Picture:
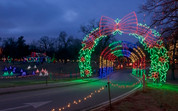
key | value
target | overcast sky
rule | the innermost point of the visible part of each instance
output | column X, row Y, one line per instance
column 36, row 18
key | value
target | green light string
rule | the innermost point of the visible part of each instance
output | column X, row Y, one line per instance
column 85, row 57
column 158, row 56
column 159, row 68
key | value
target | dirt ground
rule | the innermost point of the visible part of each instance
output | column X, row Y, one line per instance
column 154, row 98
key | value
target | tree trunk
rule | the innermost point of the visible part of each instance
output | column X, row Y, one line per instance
column 173, row 62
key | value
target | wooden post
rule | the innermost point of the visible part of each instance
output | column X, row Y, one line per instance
column 108, row 84
column 143, row 81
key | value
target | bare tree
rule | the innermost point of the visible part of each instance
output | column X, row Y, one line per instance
column 85, row 29
column 10, row 47
column 23, row 49
column 33, row 46
column 52, row 42
column 47, row 45
column 64, row 39
column 64, row 43
column 165, row 18
column 44, row 43
column 163, row 13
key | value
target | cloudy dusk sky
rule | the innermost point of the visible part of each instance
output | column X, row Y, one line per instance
column 35, row 18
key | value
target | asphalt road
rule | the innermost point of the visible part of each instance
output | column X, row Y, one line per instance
column 47, row 99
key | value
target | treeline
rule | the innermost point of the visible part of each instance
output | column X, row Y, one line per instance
column 61, row 47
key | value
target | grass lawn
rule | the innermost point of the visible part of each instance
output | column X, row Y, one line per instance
column 154, row 98
column 15, row 83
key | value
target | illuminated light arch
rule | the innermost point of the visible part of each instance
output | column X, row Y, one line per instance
column 122, row 48
column 149, row 38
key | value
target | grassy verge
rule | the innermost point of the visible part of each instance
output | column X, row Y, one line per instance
column 16, row 83
column 154, row 98
column 31, row 82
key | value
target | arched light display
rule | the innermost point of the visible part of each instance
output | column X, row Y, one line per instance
column 149, row 38
column 124, row 49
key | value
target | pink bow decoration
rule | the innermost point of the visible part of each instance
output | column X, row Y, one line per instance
column 128, row 24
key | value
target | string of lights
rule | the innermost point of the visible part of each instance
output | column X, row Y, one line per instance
column 126, row 86
column 149, row 38
column 91, row 94
column 122, row 49
column 78, row 101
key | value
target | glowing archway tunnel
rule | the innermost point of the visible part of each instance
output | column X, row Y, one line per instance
column 122, row 49
column 149, row 38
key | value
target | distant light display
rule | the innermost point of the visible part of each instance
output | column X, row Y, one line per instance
column 149, row 38
column 13, row 72
column 34, row 67
column 37, row 71
column 29, row 67
column 9, row 59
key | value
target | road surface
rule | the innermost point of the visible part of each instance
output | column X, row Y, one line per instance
column 55, row 98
